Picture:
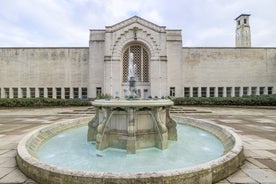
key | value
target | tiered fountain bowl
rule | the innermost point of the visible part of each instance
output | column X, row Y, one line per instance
column 132, row 124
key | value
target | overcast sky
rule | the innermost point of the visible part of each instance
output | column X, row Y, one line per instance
column 66, row 23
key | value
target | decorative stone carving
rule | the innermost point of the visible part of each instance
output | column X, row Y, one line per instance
column 132, row 124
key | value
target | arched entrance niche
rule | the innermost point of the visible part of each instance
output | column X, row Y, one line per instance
column 141, row 60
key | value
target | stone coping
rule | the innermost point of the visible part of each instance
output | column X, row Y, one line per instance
column 132, row 103
column 208, row 172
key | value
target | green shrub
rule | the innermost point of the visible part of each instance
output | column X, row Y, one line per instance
column 41, row 102
column 262, row 100
column 104, row 96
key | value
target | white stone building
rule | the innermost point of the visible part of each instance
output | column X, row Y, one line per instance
column 163, row 66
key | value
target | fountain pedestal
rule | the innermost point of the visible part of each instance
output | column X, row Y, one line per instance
column 132, row 124
column 132, row 87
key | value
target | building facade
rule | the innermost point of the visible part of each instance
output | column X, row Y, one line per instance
column 163, row 67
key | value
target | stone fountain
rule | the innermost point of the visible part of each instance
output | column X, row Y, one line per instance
column 132, row 123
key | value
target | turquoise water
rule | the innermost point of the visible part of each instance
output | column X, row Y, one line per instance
column 70, row 149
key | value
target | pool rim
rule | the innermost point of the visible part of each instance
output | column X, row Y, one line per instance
column 209, row 172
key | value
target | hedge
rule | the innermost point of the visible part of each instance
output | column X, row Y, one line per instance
column 41, row 102
column 262, row 100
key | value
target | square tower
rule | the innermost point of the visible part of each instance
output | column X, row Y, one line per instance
column 243, row 35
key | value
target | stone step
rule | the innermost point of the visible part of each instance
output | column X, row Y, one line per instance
column 181, row 110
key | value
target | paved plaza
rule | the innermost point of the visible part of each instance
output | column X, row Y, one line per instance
column 256, row 127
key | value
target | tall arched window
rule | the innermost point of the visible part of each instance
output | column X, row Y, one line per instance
column 140, row 60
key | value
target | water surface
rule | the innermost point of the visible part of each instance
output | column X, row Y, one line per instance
column 70, row 149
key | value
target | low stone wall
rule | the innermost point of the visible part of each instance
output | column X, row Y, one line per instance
column 209, row 172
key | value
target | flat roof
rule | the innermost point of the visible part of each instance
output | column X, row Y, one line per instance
column 242, row 15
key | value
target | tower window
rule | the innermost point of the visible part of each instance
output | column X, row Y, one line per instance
column 244, row 21
column 239, row 22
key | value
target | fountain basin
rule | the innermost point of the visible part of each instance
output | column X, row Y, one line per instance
column 209, row 172
column 132, row 124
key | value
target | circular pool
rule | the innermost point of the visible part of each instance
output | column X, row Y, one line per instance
column 60, row 153
column 194, row 146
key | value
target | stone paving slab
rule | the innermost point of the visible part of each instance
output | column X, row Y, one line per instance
column 264, row 153
column 8, row 162
column 4, row 151
column 241, row 177
column 269, row 163
column 16, row 176
column 255, row 126
column 5, row 171
column 261, row 175
column 257, row 163
column 9, row 153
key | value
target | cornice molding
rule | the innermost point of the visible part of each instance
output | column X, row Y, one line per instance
column 137, row 20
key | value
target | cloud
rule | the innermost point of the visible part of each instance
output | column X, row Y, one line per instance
column 67, row 22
